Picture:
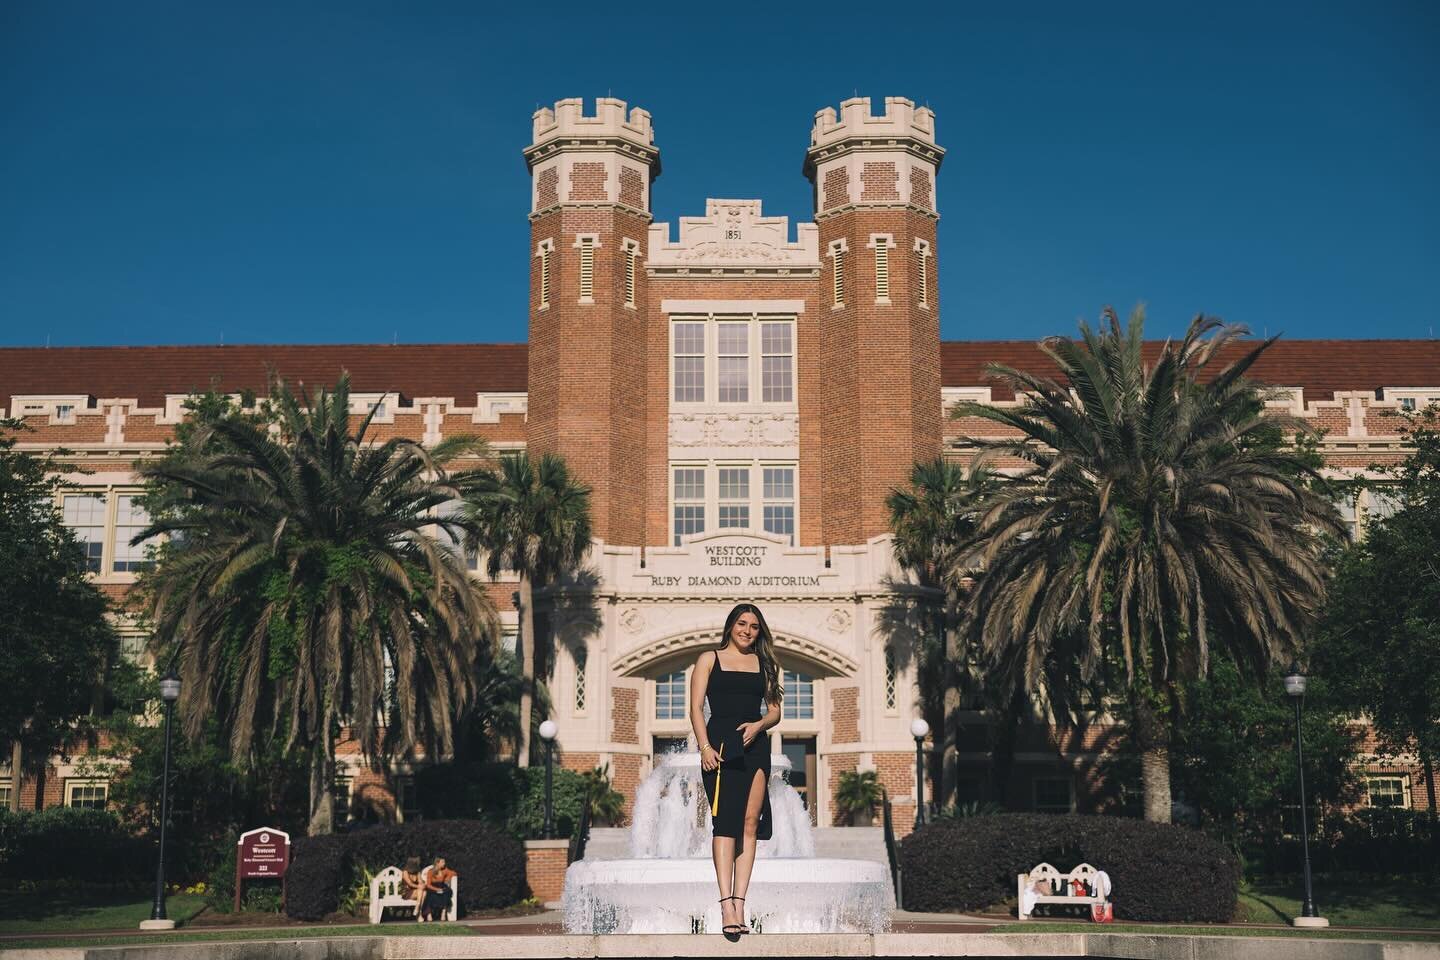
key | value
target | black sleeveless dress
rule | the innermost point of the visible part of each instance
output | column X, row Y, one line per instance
column 735, row 697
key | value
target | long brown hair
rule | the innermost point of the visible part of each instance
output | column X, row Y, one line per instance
column 764, row 649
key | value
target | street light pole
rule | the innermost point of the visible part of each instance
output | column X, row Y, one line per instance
column 918, row 729
column 169, row 692
column 548, row 729
column 1295, row 682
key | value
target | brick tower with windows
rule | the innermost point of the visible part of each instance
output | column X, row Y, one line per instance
column 589, row 214
column 874, row 183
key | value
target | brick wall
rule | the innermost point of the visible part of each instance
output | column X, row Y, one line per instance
column 840, row 764
column 844, row 715
column 545, row 863
column 625, row 714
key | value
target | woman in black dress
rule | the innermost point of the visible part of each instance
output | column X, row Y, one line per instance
column 741, row 679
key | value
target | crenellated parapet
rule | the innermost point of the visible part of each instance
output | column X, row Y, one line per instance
column 858, row 158
column 733, row 237
column 605, row 159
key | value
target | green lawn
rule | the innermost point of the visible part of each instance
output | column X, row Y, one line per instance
column 80, row 911
column 1405, row 904
column 276, row 933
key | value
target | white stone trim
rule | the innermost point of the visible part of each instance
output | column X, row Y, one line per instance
column 489, row 406
column 733, row 234
column 707, row 308
column 586, row 240
column 37, row 404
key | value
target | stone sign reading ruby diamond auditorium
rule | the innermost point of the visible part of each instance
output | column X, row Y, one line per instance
column 740, row 396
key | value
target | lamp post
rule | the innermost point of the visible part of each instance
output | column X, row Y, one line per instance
column 169, row 692
column 918, row 729
column 1295, row 688
column 547, row 733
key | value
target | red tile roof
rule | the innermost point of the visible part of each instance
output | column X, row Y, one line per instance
column 1321, row 367
column 458, row 370
column 461, row 370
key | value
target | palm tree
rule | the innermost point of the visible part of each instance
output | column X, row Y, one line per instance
column 529, row 516
column 1148, row 523
column 302, row 591
column 930, row 520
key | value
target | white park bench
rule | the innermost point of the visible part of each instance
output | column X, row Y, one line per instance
column 1047, row 874
column 387, row 889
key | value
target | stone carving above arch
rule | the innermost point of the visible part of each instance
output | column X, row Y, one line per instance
column 831, row 662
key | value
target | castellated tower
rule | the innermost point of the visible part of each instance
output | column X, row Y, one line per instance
column 874, row 180
column 590, row 210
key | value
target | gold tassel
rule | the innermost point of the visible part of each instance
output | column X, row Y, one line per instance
column 715, row 804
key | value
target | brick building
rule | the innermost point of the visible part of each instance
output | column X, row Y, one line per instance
column 741, row 397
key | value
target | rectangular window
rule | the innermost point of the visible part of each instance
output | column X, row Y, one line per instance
column 689, row 502
column 799, row 702
column 342, row 801
column 84, row 513
column 670, row 696
column 1053, row 795
column 734, row 367
column 882, row 270
column 407, row 798
column 65, row 413
column 87, row 794
column 1383, row 505
column 689, row 361
column 130, row 519
column 5, row 794
column 1385, row 792
column 838, row 272
column 1349, row 517
column 778, row 493
column 890, row 678
column 777, row 353
column 581, row 659
column 734, row 497
column 587, row 270
column 632, row 254
column 132, row 647
column 1407, row 404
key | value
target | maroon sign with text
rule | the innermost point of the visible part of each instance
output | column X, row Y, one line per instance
column 264, row 853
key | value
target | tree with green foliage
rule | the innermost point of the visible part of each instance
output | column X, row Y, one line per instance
column 301, row 589
column 529, row 516
column 1148, row 524
column 56, row 645
column 1379, row 640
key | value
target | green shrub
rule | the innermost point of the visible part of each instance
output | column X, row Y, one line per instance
column 491, row 864
column 65, row 845
column 1159, row 872
column 504, row 796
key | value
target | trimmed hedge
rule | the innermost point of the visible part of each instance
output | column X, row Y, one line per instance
column 70, row 845
column 1159, row 872
column 501, row 794
column 490, row 863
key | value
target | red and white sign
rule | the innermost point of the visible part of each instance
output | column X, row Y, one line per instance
column 264, row 852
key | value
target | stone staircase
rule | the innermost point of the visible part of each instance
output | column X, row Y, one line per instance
column 842, row 843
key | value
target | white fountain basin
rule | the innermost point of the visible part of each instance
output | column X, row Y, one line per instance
column 786, row 895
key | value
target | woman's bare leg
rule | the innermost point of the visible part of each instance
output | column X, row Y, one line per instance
column 746, row 861
column 722, row 850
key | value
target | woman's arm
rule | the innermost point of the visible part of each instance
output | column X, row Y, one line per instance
column 699, row 680
column 757, row 727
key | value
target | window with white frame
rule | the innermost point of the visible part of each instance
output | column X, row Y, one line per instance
column 1349, row 516
column 799, row 700
column 547, row 248
column 734, row 492
column 133, row 646
column 837, row 272
column 778, row 501
column 1054, row 795
column 733, row 364
column 85, row 514
column 632, row 258
column 882, row 244
column 130, row 519
column 587, row 244
column 688, row 361
column 1382, row 504
column 733, row 353
column 87, row 794
column 670, row 696
column 582, row 658
column 5, row 793
column 341, row 809
column 890, row 674
column 777, row 362
column 1387, row 791
column 922, row 272
column 689, row 501
column 64, row 413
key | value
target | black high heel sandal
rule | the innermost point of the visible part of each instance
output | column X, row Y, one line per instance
column 732, row 931
column 744, row 927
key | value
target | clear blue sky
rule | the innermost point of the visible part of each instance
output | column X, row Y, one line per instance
column 179, row 172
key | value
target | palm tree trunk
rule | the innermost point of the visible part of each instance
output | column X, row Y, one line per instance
column 18, row 759
column 527, row 669
column 1426, row 761
column 950, row 732
column 322, row 782
column 1153, row 741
